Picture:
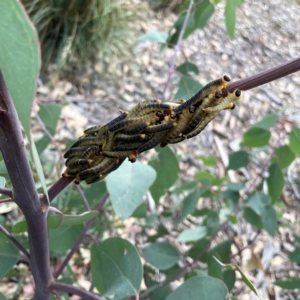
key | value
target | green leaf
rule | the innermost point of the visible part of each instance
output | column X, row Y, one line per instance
column 238, row 160
column 189, row 204
column 49, row 114
column 230, row 17
column 116, row 268
column 255, row 137
column 235, row 186
column 275, row 182
column 20, row 57
column 127, row 186
column 295, row 256
column 297, row 238
column 199, row 17
column 214, row 268
column 2, row 297
column 229, row 279
column 38, row 166
column 187, row 68
column 252, row 217
column 160, row 293
column 244, row 277
column 162, row 256
column 291, row 283
column 3, row 169
column 154, row 37
column 94, row 194
column 269, row 220
column 295, row 140
column 167, row 169
column 284, row 156
column 257, row 202
column 207, row 179
column 63, row 238
column 9, row 255
column 2, row 182
column 209, row 161
column 187, row 87
column 267, row 122
column 192, row 234
column 201, row 287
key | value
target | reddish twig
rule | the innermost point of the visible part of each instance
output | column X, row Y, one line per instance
column 177, row 47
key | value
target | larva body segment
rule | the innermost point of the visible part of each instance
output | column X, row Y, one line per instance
column 116, row 154
column 202, row 124
column 159, row 128
column 211, row 88
column 232, row 97
column 76, row 151
column 136, row 129
column 135, row 112
column 79, row 162
column 89, row 152
column 89, row 141
column 156, row 139
column 96, row 169
column 101, row 129
column 126, row 138
column 183, row 120
column 147, row 108
column 127, row 147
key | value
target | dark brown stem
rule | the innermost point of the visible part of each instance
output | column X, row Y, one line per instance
column 261, row 78
column 14, row 241
column 24, row 192
column 74, row 290
column 5, row 191
column 80, row 239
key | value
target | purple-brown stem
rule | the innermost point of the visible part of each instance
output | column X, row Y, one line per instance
column 5, row 191
column 14, row 241
column 24, row 191
column 80, row 239
column 261, row 78
column 73, row 290
column 177, row 47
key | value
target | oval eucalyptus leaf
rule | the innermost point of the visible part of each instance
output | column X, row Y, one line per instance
column 63, row 238
column 284, row 156
column 161, row 255
column 201, row 287
column 9, row 255
column 187, row 87
column 167, row 169
column 187, row 68
column 2, row 182
column 291, row 283
column 267, row 122
column 238, row 160
column 49, row 114
column 230, row 17
column 116, row 268
column 275, row 182
column 154, row 37
column 295, row 140
column 192, row 234
column 255, row 137
column 127, row 186
column 20, row 57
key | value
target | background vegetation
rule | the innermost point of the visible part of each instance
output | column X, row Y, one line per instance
column 180, row 239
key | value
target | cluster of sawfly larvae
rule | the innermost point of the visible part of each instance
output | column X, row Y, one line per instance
column 102, row 149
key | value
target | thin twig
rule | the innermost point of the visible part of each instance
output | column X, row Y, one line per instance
column 74, row 290
column 261, row 78
column 177, row 47
column 79, row 189
column 6, row 200
column 80, row 239
column 14, row 241
column 6, row 192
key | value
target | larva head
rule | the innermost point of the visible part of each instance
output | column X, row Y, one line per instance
column 226, row 78
column 237, row 95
